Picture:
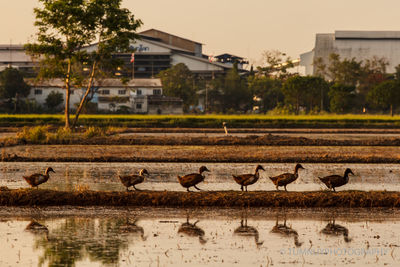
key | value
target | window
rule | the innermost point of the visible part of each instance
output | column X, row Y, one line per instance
column 122, row 92
column 38, row 91
column 139, row 92
column 139, row 106
column 72, row 92
column 105, row 92
column 156, row 91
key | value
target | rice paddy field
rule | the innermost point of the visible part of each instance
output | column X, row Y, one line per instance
column 209, row 121
column 83, row 215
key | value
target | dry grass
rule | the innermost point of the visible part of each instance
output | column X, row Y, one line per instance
column 314, row 199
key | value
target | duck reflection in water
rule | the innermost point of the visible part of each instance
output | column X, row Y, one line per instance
column 191, row 229
column 284, row 230
column 245, row 230
column 37, row 229
column 334, row 229
column 132, row 228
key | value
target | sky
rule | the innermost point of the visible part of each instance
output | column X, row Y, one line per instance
column 243, row 28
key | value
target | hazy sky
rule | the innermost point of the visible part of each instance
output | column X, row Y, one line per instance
column 244, row 28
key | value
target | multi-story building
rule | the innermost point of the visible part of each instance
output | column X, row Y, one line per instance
column 361, row 45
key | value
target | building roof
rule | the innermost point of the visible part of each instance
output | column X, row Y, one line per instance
column 109, row 82
column 375, row 35
column 155, row 30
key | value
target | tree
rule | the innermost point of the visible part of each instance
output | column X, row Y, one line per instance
column 341, row 97
column 385, row 94
column 53, row 100
column 268, row 89
column 67, row 27
column 235, row 93
column 178, row 81
column 275, row 63
column 12, row 85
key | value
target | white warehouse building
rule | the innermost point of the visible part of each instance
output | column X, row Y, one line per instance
column 361, row 45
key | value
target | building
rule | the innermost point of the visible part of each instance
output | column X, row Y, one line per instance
column 14, row 56
column 140, row 96
column 154, row 52
column 361, row 45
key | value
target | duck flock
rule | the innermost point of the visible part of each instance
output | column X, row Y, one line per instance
column 193, row 179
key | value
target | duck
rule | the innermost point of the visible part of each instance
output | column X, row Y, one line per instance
column 36, row 179
column 134, row 179
column 335, row 229
column 193, row 179
column 333, row 181
column 285, row 230
column 286, row 178
column 248, row 179
column 190, row 229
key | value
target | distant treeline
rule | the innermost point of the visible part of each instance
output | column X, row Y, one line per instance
column 339, row 86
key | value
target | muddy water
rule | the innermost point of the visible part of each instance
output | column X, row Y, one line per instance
column 163, row 176
column 213, row 237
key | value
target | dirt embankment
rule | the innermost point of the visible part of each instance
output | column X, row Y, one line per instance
column 276, row 154
column 251, row 140
column 321, row 199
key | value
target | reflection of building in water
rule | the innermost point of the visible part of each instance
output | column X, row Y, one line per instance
column 245, row 230
column 334, row 229
column 190, row 229
column 284, row 230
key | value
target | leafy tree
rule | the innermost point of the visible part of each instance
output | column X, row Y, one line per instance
column 341, row 97
column 236, row 95
column 275, row 63
column 67, row 27
column 268, row 89
column 177, row 81
column 12, row 85
column 54, row 99
column 385, row 94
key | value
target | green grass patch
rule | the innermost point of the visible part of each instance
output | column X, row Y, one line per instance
column 209, row 121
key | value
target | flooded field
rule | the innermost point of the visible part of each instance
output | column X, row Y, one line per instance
column 213, row 237
column 163, row 176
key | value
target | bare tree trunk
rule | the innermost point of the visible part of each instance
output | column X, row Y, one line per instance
column 67, row 94
column 83, row 100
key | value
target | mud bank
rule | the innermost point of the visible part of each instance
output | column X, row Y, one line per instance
column 314, row 199
column 250, row 140
column 272, row 154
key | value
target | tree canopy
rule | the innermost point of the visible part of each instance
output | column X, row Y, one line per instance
column 67, row 29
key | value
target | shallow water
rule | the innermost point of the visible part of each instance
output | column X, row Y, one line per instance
column 163, row 176
column 174, row 237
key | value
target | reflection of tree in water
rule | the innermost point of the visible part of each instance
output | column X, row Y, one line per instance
column 336, row 229
column 190, row 229
column 245, row 230
column 285, row 230
column 78, row 238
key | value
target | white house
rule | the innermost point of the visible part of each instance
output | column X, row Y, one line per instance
column 135, row 96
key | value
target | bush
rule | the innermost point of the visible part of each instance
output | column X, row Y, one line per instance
column 36, row 134
column 94, row 132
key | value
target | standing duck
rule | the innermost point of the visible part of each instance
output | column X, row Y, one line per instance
column 36, row 179
column 248, row 179
column 333, row 181
column 134, row 179
column 193, row 179
column 286, row 178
